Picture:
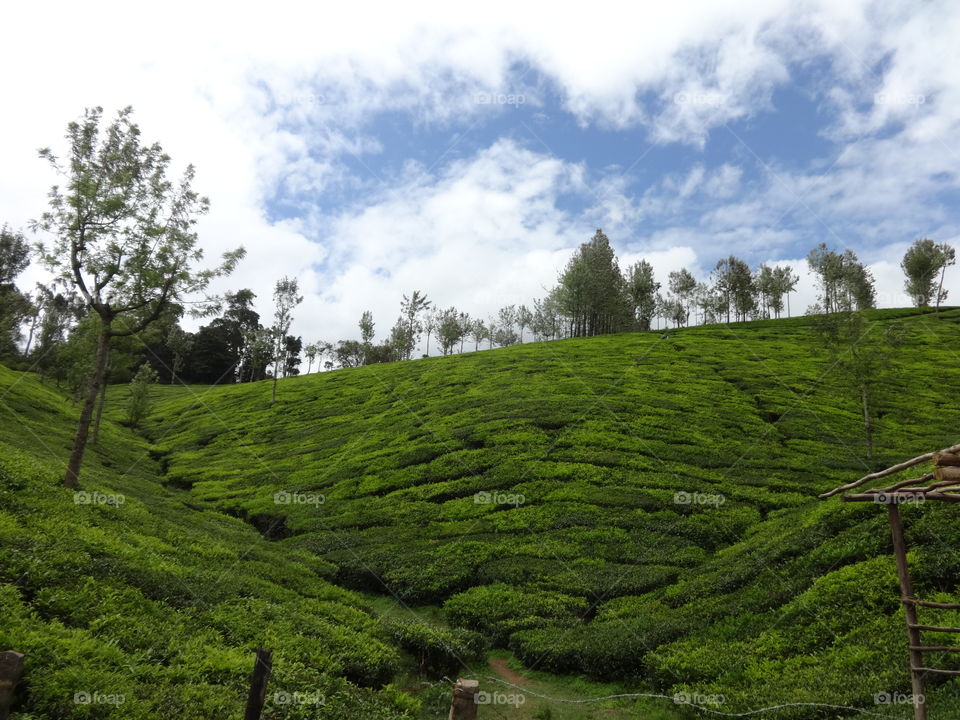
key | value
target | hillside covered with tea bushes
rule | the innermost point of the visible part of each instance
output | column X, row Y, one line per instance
column 635, row 509
column 638, row 507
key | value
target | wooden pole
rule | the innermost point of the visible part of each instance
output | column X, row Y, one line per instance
column 258, row 684
column 910, row 610
column 464, row 705
column 11, row 668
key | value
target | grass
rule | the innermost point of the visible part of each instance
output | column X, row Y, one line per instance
column 628, row 512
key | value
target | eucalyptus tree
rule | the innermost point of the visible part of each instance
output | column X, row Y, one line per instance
column 784, row 282
column 449, row 329
column 478, row 332
column 764, row 282
column 925, row 264
column 506, row 320
column 411, row 309
column 524, row 319
column 642, row 290
column 310, row 352
column 122, row 234
column 429, row 326
column 733, row 283
column 286, row 296
column 682, row 284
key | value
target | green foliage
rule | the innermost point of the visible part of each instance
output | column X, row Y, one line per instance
column 534, row 495
column 923, row 264
column 624, row 507
column 157, row 603
column 138, row 405
column 437, row 651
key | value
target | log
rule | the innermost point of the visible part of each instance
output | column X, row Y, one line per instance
column 11, row 668
column 464, row 705
column 908, row 483
column 889, row 471
column 946, row 459
column 943, row 474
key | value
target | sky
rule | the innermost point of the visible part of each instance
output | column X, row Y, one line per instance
column 371, row 149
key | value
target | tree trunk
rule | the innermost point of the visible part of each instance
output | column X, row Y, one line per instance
column 273, row 399
column 943, row 272
column 103, row 401
column 867, row 424
column 33, row 326
column 86, row 412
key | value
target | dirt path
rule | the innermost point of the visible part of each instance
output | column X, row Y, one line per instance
column 500, row 667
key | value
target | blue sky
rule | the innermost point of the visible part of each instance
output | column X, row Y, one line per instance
column 372, row 150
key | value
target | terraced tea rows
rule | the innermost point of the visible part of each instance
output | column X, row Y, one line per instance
column 633, row 506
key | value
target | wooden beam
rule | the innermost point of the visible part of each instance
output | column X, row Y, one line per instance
column 935, row 648
column 909, row 609
column 929, row 604
column 955, row 673
column 900, row 498
column 935, row 628
column 889, row 471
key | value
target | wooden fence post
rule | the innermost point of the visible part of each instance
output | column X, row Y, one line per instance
column 464, row 705
column 258, row 684
column 910, row 611
column 11, row 668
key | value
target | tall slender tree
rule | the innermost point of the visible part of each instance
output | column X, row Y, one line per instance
column 286, row 296
column 122, row 235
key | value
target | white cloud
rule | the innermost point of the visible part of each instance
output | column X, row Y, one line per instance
column 267, row 102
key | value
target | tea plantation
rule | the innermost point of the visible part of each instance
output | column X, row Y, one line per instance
column 637, row 509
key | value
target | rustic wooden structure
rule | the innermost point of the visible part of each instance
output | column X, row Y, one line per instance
column 262, row 666
column 11, row 668
column 464, row 705
column 941, row 484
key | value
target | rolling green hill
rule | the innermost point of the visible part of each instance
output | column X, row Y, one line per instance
column 636, row 509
